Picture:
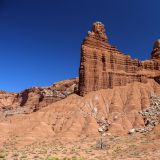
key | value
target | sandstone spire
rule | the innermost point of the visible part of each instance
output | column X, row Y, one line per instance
column 156, row 50
column 104, row 66
column 98, row 31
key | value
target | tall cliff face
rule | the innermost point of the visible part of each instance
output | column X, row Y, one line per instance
column 104, row 66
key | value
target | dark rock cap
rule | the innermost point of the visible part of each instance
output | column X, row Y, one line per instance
column 98, row 31
column 156, row 50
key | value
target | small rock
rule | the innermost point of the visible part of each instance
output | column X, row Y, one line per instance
column 131, row 131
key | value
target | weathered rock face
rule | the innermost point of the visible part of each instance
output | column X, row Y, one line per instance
column 34, row 98
column 104, row 66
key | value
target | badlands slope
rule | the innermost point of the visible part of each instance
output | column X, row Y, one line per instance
column 77, row 116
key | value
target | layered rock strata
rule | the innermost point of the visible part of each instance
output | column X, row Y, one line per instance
column 104, row 66
column 32, row 99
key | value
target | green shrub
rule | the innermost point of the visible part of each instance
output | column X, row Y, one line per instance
column 52, row 158
column 2, row 155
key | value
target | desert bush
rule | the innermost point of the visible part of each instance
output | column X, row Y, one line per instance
column 52, row 158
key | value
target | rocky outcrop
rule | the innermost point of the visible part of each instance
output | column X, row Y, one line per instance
column 104, row 66
column 151, row 116
column 156, row 50
column 32, row 99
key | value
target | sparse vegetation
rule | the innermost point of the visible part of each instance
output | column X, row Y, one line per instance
column 118, row 147
column 2, row 155
column 52, row 158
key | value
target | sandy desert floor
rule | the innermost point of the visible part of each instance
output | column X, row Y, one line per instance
column 129, row 147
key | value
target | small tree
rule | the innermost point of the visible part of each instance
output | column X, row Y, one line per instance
column 101, row 143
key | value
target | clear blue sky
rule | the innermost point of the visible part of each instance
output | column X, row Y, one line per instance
column 40, row 39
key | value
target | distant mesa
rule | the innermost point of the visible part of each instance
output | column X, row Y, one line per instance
column 103, row 66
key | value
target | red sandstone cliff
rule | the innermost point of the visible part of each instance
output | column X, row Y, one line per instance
column 104, row 66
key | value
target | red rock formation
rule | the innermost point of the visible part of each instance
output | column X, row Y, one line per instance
column 34, row 98
column 156, row 50
column 104, row 66
column 115, row 110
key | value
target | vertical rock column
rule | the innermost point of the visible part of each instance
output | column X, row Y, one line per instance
column 93, row 61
